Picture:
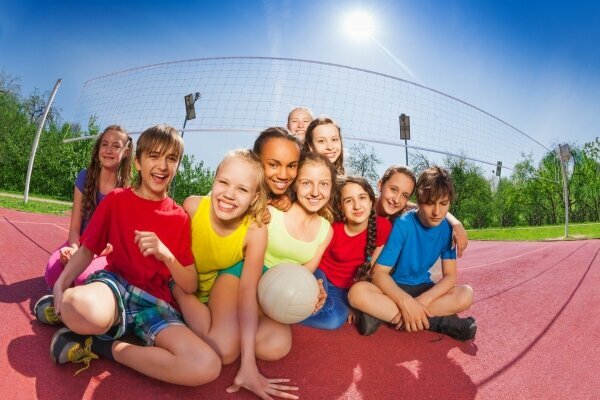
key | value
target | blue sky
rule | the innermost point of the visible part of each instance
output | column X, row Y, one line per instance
column 534, row 64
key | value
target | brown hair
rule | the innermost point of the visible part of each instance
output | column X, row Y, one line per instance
column 90, row 190
column 434, row 183
column 363, row 269
column 256, row 209
column 160, row 138
column 275, row 132
column 308, row 140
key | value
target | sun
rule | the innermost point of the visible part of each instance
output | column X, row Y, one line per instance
column 359, row 25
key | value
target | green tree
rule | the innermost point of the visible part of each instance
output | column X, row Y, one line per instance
column 192, row 179
column 473, row 194
column 363, row 161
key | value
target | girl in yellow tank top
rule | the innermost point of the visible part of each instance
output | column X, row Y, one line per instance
column 228, row 243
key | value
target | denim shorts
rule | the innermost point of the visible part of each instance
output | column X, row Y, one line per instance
column 140, row 312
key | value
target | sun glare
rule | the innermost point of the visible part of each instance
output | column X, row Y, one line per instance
column 359, row 25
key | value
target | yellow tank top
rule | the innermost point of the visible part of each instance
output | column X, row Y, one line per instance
column 213, row 252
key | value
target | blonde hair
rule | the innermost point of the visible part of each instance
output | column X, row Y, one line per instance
column 256, row 209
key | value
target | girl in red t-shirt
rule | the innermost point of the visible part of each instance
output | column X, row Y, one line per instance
column 356, row 244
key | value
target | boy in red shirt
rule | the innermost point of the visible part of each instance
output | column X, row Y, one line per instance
column 150, row 235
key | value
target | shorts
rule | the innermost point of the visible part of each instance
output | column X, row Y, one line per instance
column 140, row 312
column 236, row 269
column 416, row 290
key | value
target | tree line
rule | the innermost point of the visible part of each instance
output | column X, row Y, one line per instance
column 531, row 195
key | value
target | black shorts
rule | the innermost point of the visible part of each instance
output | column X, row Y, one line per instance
column 416, row 290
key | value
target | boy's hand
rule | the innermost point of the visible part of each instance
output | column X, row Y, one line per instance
column 414, row 315
column 352, row 316
column 150, row 244
column 460, row 239
column 321, row 297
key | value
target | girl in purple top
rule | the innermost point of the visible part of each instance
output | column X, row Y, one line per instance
column 110, row 167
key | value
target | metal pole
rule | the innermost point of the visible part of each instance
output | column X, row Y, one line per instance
column 406, row 150
column 37, row 139
column 173, row 183
column 566, row 195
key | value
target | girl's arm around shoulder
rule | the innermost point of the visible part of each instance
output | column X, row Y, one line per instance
column 190, row 204
column 460, row 238
column 314, row 262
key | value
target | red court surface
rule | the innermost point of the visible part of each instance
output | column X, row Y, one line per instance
column 536, row 304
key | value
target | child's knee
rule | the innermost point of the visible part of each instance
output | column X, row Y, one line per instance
column 356, row 294
column 230, row 353
column 274, row 347
column 465, row 297
column 204, row 367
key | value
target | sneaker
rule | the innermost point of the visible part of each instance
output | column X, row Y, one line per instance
column 366, row 324
column 44, row 310
column 462, row 329
column 67, row 346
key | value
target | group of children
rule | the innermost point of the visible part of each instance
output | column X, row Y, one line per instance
column 184, row 279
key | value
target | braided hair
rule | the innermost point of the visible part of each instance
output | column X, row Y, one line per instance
column 362, row 273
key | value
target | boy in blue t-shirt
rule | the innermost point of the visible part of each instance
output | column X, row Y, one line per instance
column 402, row 292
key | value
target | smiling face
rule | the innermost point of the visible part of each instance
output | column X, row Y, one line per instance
column 326, row 140
column 356, row 205
column 279, row 158
column 432, row 213
column 313, row 186
column 234, row 189
column 113, row 148
column 156, row 169
column 298, row 121
column 394, row 194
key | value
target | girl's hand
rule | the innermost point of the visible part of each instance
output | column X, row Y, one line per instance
column 58, row 295
column 282, row 203
column 397, row 321
column 107, row 250
column 150, row 244
column 460, row 239
column 252, row 380
column 66, row 253
column 414, row 316
column 321, row 297
column 352, row 316
column 266, row 217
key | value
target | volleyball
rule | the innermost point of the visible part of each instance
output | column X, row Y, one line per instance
column 288, row 293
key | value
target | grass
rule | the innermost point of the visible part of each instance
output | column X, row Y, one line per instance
column 576, row 231
column 34, row 206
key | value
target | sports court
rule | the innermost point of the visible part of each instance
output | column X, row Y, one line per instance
column 536, row 305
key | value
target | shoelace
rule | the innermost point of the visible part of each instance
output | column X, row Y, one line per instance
column 83, row 355
column 51, row 315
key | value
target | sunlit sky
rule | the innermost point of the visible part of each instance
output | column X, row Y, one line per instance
column 534, row 64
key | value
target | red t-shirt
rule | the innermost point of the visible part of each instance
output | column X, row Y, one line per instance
column 115, row 221
column 346, row 253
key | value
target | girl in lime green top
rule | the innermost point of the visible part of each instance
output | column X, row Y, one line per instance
column 301, row 234
column 227, row 230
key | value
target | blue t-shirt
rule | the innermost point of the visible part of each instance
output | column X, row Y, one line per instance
column 80, row 184
column 412, row 249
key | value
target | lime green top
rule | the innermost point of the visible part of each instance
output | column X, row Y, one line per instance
column 283, row 247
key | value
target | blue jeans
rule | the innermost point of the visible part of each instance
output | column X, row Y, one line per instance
column 336, row 309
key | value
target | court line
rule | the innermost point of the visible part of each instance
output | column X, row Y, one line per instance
column 506, row 259
column 35, row 223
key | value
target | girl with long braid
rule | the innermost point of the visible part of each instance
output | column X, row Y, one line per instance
column 356, row 244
